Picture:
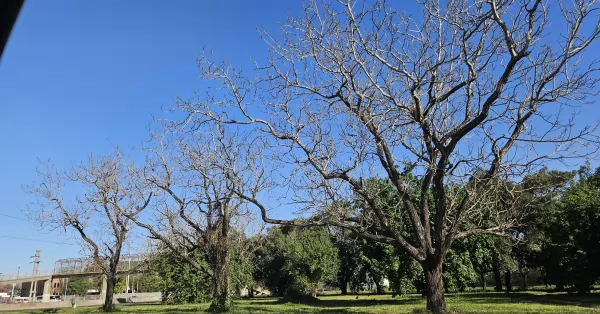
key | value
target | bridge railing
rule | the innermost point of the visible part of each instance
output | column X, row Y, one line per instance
column 76, row 266
column 88, row 265
column 25, row 275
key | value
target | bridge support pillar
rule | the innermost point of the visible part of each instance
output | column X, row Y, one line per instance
column 47, row 290
column 103, row 288
column 33, row 291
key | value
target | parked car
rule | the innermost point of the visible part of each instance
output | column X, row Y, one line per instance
column 53, row 298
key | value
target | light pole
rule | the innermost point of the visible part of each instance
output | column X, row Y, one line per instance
column 127, row 280
column 66, row 286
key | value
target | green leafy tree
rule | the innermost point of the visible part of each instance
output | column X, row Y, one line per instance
column 241, row 269
column 180, row 282
column 78, row 286
column 295, row 261
column 310, row 259
column 148, row 282
column 121, row 286
column 570, row 252
column 269, row 261
column 458, row 270
column 351, row 273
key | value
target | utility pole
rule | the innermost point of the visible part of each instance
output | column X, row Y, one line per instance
column 66, row 280
column 36, row 271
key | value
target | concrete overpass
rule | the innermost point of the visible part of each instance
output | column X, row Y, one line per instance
column 70, row 268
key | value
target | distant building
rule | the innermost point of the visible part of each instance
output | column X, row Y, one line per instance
column 58, row 286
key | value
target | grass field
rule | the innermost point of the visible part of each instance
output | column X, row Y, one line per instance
column 526, row 302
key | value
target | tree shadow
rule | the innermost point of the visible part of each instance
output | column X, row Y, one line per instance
column 337, row 303
column 589, row 300
column 298, row 310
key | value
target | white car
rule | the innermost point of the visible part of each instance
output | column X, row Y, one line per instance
column 53, row 298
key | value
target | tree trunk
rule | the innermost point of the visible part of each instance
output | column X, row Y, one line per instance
column 378, row 287
column 251, row 292
column 220, row 268
column 483, row 283
column 344, row 287
column 496, row 271
column 111, row 282
column 524, row 275
column 434, row 286
column 508, row 281
column 220, row 302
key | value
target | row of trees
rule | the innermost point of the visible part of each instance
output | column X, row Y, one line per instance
column 451, row 112
column 557, row 246
column 557, row 239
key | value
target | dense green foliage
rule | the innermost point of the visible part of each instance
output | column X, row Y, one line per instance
column 559, row 239
column 297, row 261
column 180, row 282
column 78, row 286
column 570, row 252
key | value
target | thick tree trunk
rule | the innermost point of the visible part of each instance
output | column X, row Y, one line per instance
column 496, row 271
column 483, row 283
column 434, row 286
column 251, row 292
column 111, row 282
column 378, row 287
column 220, row 268
column 344, row 287
column 220, row 301
column 525, row 285
column 508, row 281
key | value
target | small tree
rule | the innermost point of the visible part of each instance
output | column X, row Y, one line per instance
column 78, row 286
column 195, row 173
column 179, row 281
column 96, row 200
column 310, row 260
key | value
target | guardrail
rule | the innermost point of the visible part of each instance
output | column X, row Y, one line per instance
column 25, row 275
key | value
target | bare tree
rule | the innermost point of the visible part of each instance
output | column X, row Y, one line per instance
column 195, row 173
column 93, row 200
column 472, row 93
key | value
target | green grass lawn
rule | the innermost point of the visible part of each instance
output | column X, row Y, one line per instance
column 525, row 302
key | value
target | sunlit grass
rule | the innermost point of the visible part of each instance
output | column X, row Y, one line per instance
column 490, row 302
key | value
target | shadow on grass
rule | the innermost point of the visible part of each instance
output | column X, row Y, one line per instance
column 298, row 310
column 326, row 302
column 590, row 300
column 239, row 308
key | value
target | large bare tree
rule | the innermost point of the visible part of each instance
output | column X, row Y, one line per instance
column 196, row 209
column 470, row 93
column 94, row 200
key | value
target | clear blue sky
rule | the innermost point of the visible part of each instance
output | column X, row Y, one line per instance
column 76, row 74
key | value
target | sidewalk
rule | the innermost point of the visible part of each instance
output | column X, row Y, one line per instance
column 18, row 307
